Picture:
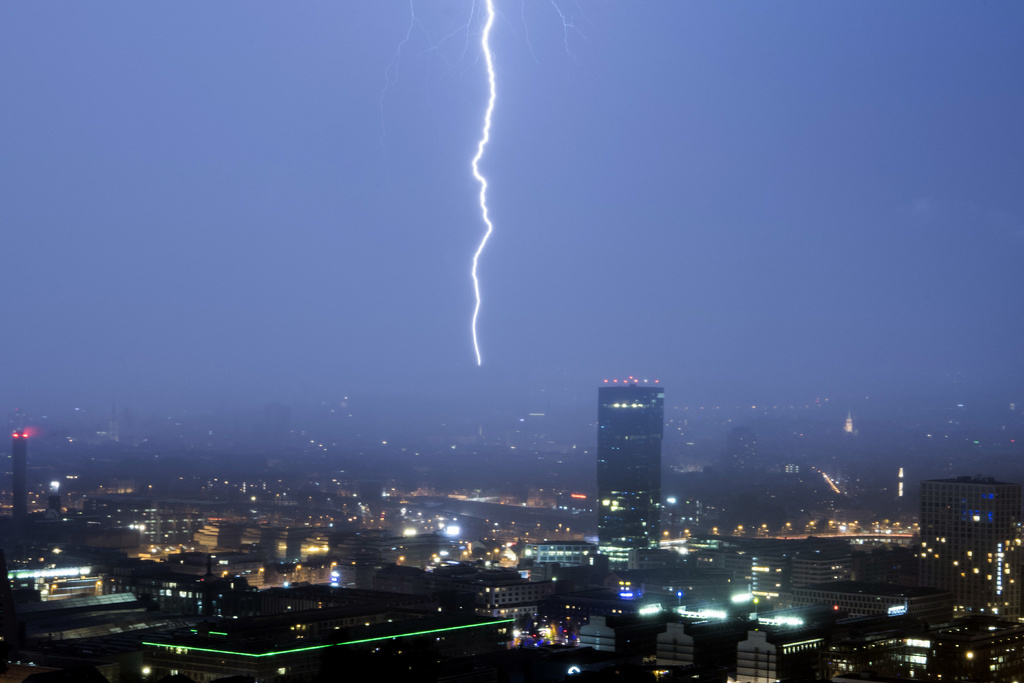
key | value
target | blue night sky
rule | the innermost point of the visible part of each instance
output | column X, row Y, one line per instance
column 252, row 202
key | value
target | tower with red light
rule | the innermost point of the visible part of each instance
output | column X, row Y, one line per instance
column 19, row 485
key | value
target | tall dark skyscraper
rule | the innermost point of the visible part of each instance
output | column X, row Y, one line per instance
column 630, row 425
column 970, row 543
column 19, row 485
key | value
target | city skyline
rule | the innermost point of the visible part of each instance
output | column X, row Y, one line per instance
column 794, row 555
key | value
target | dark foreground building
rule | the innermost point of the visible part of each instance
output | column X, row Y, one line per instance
column 210, row 654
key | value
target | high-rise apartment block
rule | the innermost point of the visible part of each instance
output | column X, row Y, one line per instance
column 630, row 425
column 971, row 544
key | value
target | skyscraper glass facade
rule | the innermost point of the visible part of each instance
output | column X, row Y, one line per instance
column 630, row 425
column 971, row 543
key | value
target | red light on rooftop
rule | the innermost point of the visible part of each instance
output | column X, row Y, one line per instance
column 580, row 496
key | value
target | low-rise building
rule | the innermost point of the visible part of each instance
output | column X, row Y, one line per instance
column 858, row 598
column 977, row 649
column 569, row 553
column 775, row 655
column 879, row 652
column 701, row 642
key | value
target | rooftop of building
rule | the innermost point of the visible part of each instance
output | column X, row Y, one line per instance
column 86, row 617
column 487, row 577
column 889, row 590
column 771, row 546
column 968, row 479
column 668, row 575
column 338, row 594
column 401, row 570
column 91, row 603
column 246, row 627
column 861, row 638
column 978, row 628
column 591, row 595
column 219, row 642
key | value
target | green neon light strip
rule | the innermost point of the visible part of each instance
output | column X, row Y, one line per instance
column 320, row 647
column 240, row 654
column 423, row 633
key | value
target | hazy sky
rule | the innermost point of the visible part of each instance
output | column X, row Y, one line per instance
column 255, row 202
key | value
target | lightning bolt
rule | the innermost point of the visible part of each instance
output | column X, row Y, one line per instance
column 392, row 67
column 569, row 26
column 566, row 25
column 485, row 137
